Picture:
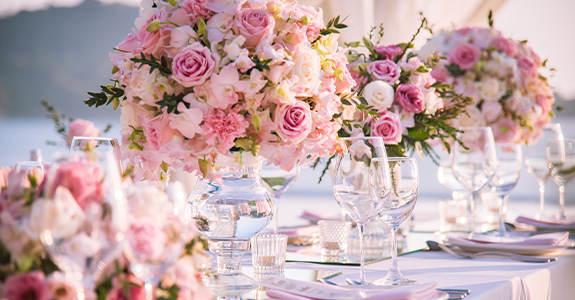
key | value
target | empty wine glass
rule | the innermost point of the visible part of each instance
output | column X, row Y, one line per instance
column 157, row 230
column 32, row 168
column 98, row 144
column 474, row 163
column 351, row 184
column 279, row 182
column 81, row 217
column 561, row 156
column 505, row 178
column 397, row 208
column 536, row 160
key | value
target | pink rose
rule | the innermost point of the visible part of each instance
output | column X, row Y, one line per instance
column 81, row 127
column 388, row 127
column 440, row 73
column 527, row 66
column 410, row 97
column 146, row 239
column 293, row 121
column 465, row 55
column 388, row 52
column 151, row 42
column 385, row 70
column 222, row 129
column 197, row 9
column 504, row 45
column 82, row 179
column 136, row 292
column 61, row 286
column 506, row 131
column 129, row 43
column 158, row 132
column 545, row 102
column 255, row 25
column 26, row 286
column 194, row 64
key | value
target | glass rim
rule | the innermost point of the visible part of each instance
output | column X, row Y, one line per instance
column 394, row 158
column 362, row 138
column 98, row 138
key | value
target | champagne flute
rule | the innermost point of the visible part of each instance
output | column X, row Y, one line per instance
column 157, row 229
column 536, row 160
column 505, row 179
column 474, row 162
column 397, row 208
column 352, row 188
column 561, row 156
column 279, row 181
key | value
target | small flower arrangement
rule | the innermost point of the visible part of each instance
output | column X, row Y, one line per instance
column 502, row 76
column 202, row 78
column 399, row 100
column 70, row 202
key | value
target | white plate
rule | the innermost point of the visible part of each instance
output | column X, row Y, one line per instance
column 439, row 296
column 511, row 248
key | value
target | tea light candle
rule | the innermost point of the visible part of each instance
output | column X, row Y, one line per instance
column 267, row 260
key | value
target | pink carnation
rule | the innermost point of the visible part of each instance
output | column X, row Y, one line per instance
column 82, row 179
column 194, row 64
column 312, row 32
column 410, row 97
column 388, row 127
column 506, row 131
column 388, row 52
column 504, row 45
column 223, row 128
column 465, row 55
column 385, row 70
column 26, row 286
column 197, row 9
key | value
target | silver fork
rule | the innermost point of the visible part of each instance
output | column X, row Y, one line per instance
column 495, row 254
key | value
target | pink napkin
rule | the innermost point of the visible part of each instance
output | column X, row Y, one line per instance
column 316, row 216
column 413, row 292
column 298, row 231
column 547, row 223
column 547, row 239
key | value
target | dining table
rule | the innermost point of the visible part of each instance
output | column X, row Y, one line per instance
column 485, row 278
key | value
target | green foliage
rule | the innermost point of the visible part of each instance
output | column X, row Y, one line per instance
column 454, row 70
column 109, row 94
column 261, row 64
column 490, row 18
column 332, row 26
column 171, row 101
column 60, row 121
column 161, row 65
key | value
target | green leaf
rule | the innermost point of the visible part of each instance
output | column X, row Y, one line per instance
column 275, row 183
column 257, row 122
column 201, row 27
column 171, row 101
column 162, row 66
column 164, row 166
column 345, row 102
column 363, row 101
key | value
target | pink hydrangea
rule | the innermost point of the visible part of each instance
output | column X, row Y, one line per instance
column 223, row 128
column 26, row 286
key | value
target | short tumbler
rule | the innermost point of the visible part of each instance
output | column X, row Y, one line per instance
column 269, row 252
column 333, row 237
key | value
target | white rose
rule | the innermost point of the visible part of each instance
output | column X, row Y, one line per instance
column 379, row 94
column 436, row 44
column 142, row 83
column 327, row 44
column 432, row 101
column 183, row 36
column 520, row 104
column 474, row 119
column 307, row 67
column 491, row 89
column 62, row 216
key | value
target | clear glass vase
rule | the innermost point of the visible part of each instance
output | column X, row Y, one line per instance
column 228, row 213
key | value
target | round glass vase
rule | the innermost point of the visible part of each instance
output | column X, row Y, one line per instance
column 228, row 212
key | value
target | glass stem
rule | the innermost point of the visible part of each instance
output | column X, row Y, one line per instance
column 149, row 291
column 276, row 216
column 541, row 196
column 502, row 210
column 562, row 215
column 361, row 228
column 394, row 270
column 472, row 212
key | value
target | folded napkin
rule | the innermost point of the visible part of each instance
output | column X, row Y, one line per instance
column 316, row 216
column 547, row 239
column 299, row 231
column 289, row 289
column 547, row 223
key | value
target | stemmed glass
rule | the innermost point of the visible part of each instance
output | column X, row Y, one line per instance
column 279, row 181
column 561, row 156
column 536, row 160
column 98, row 144
column 474, row 163
column 352, row 186
column 32, row 168
column 157, row 230
column 505, row 178
column 82, row 217
column 397, row 208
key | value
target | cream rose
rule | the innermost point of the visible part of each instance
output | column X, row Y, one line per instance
column 379, row 94
column 142, row 83
column 491, row 89
column 307, row 67
column 473, row 119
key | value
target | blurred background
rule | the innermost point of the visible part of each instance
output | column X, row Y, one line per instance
column 58, row 50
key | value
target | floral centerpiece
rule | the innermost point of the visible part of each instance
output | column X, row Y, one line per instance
column 398, row 98
column 503, row 77
column 201, row 78
column 70, row 202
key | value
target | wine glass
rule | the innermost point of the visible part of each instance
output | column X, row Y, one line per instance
column 474, row 162
column 561, row 156
column 33, row 169
column 397, row 208
column 157, row 230
column 536, row 160
column 96, row 144
column 279, row 181
column 505, row 179
column 82, row 217
column 351, row 184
